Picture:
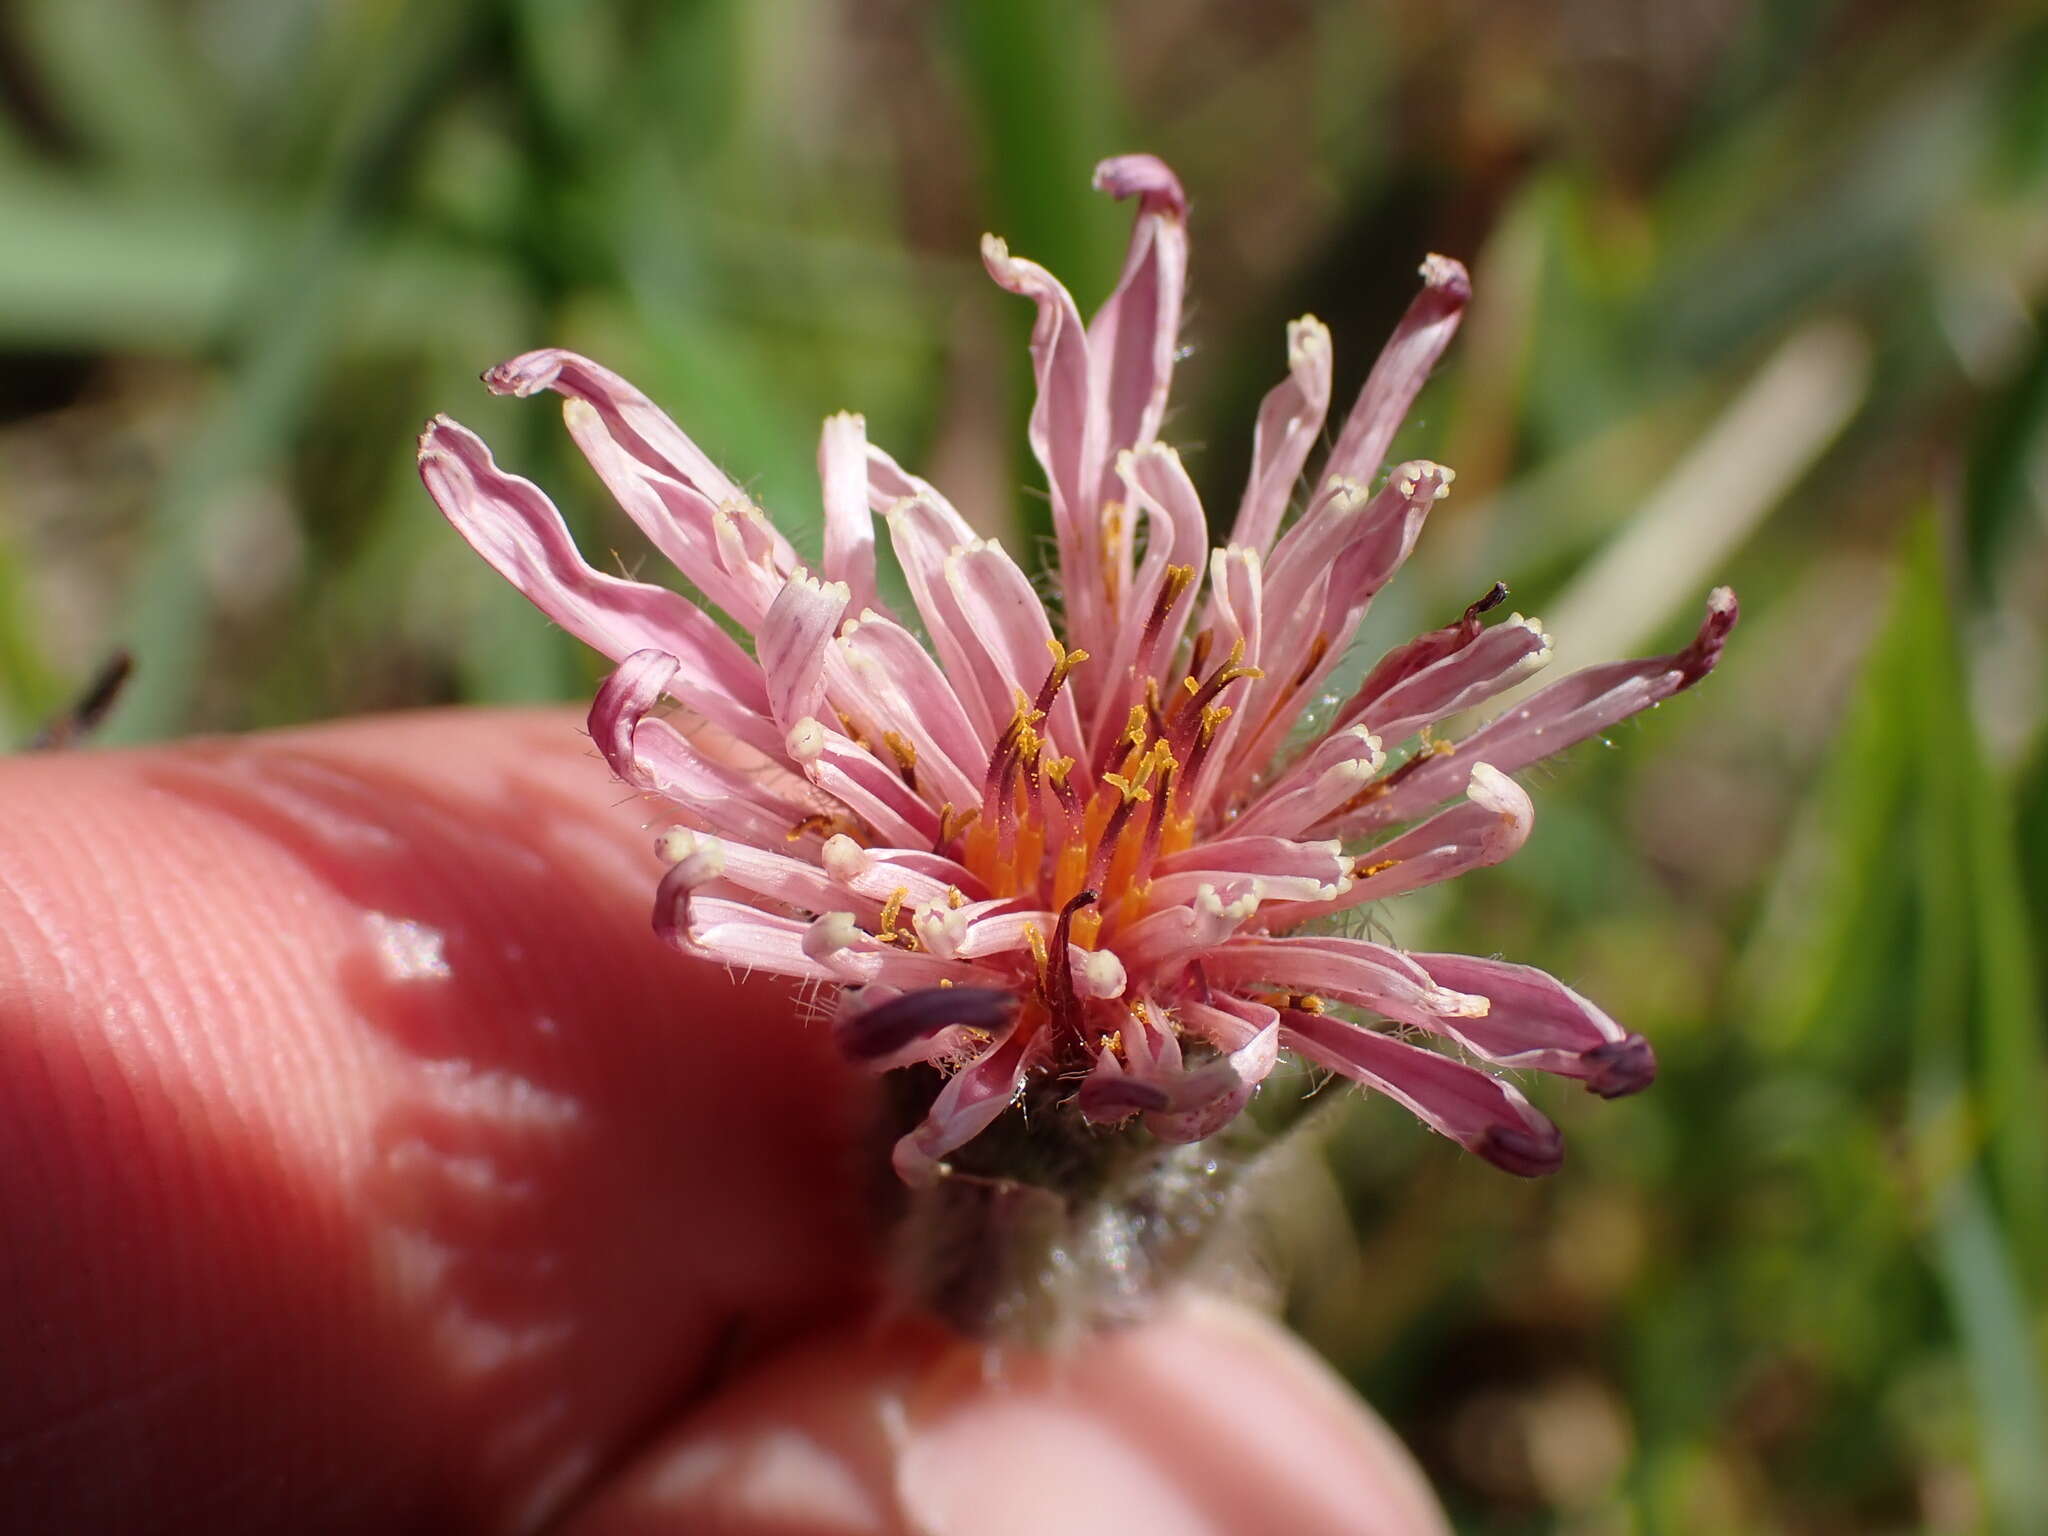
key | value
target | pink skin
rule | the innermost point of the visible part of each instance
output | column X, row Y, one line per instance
column 366, row 1165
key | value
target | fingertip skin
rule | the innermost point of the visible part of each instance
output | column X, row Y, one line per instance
column 361, row 1152
column 1207, row 1421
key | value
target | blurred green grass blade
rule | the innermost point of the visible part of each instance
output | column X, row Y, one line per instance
column 2000, row 496
column 1841, row 222
column 1818, row 951
column 85, row 267
column 1040, row 85
column 1999, row 1353
column 279, row 341
column 29, row 688
column 124, row 82
column 1970, row 884
column 1976, row 1066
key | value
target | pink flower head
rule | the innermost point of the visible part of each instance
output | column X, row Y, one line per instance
column 1077, row 849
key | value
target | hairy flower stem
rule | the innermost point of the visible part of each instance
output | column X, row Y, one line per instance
column 1048, row 1226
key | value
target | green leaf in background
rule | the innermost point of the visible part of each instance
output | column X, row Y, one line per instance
column 277, row 342
column 1977, row 1069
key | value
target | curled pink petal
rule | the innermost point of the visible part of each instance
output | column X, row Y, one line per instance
column 882, row 675
column 1560, row 716
column 1146, row 177
column 1284, row 869
column 1290, row 422
column 1133, row 337
column 794, row 635
column 1537, row 1021
column 1491, row 825
column 1401, row 371
column 1480, row 1113
column 516, row 528
column 849, row 521
column 1323, row 576
column 1353, row 971
column 622, row 703
column 1067, row 434
column 710, row 793
column 972, row 1097
column 635, row 421
column 1496, row 660
column 696, row 535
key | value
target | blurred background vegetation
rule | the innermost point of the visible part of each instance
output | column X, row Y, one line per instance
column 1759, row 300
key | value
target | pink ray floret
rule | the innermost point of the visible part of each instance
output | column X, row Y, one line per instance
column 1081, row 849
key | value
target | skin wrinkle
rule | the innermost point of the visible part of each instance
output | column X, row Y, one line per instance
column 497, row 1331
column 542, row 934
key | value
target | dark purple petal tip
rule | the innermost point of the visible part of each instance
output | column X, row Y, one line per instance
column 889, row 1027
column 1700, row 658
column 1620, row 1067
column 1527, row 1153
column 1446, row 277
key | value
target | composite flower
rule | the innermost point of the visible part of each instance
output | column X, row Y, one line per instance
column 1084, row 844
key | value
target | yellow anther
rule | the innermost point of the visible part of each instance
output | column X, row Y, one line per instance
column 1128, row 788
column 1213, row 716
column 955, row 899
column 823, row 825
column 953, row 822
column 1157, row 757
column 1233, row 667
column 1038, row 950
column 1063, row 661
column 1367, row 871
column 1057, row 769
column 891, row 910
